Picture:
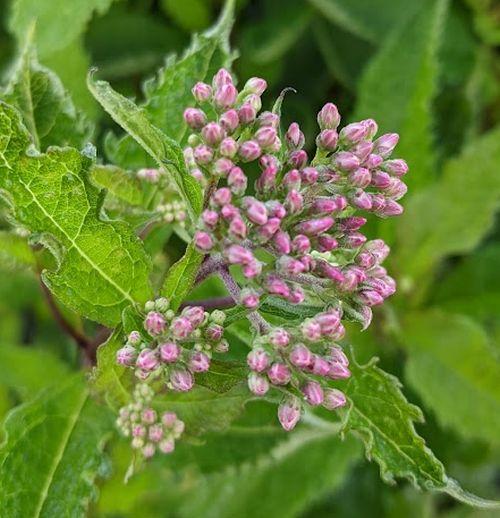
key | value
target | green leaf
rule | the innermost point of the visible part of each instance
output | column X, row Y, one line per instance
column 170, row 91
column 52, row 453
column 452, row 216
column 382, row 417
column 46, row 107
column 453, row 369
column 39, row 369
column 58, row 23
column 164, row 150
column 399, row 85
column 15, row 251
column 122, row 184
column 102, row 265
column 191, row 15
column 303, row 467
column 286, row 310
column 181, row 277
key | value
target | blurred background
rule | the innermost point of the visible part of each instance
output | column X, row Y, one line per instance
column 428, row 69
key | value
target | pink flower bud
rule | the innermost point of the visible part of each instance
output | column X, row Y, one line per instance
column 365, row 260
column 222, row 77
column 228, row 147
column 373, row 161
column 298, row 159
column 396, row 189
column 221, row 196
column 378, row 202
column 380, row 179
column 155, row 433
column 255, row 85
column 392, row 208
column 126, row 355
column 167, row 446
column 168, row 419
column 202, row 92
column 353, row 240
column 256, row 211
column 282, row 242
column 331, row 272
column 301, row 244
column 313, row 393
column 237, row 254
column 252, row 269
column 237, row 228
column 214, row 332
column 338, row 371
column 327, row 140
column 328, row 117
column 378, row 248
column 314, row 227
column 397, row 167
column 181, row 328
column 237, row 181
column 334, row 399
column 326, row 243
column 276, row 286
column 279, row 337
column 138, row 431
column 249, row 298
column 265, row 136
column 294, row 137
column 289, row 413
column 198, row 175
column 320, row 366
column 294, row 201
column 336, row 354
column 181, row 380
column 297, row 295
column 311, row 330
column 268, row 119
column 289, row 266
column 254, row 101
column 258, row 360
column 169, row 352
column 351, row 223
column 267, row 179
column 309, row 175
column 225, row 96
column 148, row 416
column 212, row 133
column 301, row 356
column 203, row 241
column 361, row 199
column 324, row 206
column 361, row 177
column 134, row 338
column 149, row 175
column 346, row 161
column 249, row 150
column 203, row 154
column 353, row 133
column 384, row 145
column 147, row 360
column 257, row 384
column 370, row 298
column 247, row 113
column 195, row 118
column 222, row 166
column 279, row 374
column 363, row 149
column 329, row 321
column 292, row 180
column 229, row 120
column 199, row 362
column 210, row 218
column 154, row 323
column 195, row 314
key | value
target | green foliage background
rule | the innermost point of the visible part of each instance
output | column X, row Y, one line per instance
column 428, row 69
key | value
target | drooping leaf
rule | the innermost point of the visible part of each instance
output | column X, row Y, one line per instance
column 452, row 367
column 52, row 453
column 305, row 466
column 46, row 107
column 452, row 216
column 164, row 150
column 15, row 251
column 382, row 417
column 399, row 85
column 57, row 22
column 102, row 266
column 181, row 277
column 122, row 184
column 169, row 93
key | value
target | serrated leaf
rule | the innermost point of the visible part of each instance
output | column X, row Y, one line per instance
column 164, row 150
column 170, row 91
column 52, row 453
column 286, row 310
column 399, row 85
column 58, row 23
column 382, row 417
column 305, row 466
column 102, row 265
column 15, row 251
column 181, row 277
column 122, row 184
column 468, row 191
column 453, row 369
column 46, row 107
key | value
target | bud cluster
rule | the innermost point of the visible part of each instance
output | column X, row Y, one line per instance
column 178, row 346
column 173, row 212
column 303, row 361
column 149, row 431
column 306, row 214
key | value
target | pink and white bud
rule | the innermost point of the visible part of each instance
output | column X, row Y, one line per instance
column 314, row 227
column 147, row 360
column 203, row 154
column 279, row 374
column 199, row 362
column 154, row 323
column 324, row 206
column 311, row 330
column 353, row 133
column 195, row 118
column 181, row 328
column 149, row 175
column 336, row 354
column 202, row 92
column 334, row 399
column 267, row 180
column 392, row 208
column 301, row 356
column 221, row 196
column 282, row 242
column 258, row 384
column 385, row 144
column 329, row 321
column 320, row 366
column 276, row 286
column 289, row 266
column 294, row 201
column 373, row 161
column 222, row 167
column 378, row 202
column 258, row 360
column 167, row 446
column 328, row 117
column 279, row 337
column 238, row 229
column 225, row 96
column 313, row 393
column 297, row 295
column 228, row 147
column 203, row 241
column 329, row 271
column 361, row 199
column 169, row 419
column 148, row 416
column 249, row 150
column 309, row 175
column 213, row 133
column 169, row 352
column 255, row 210
column 378, row 248
column 292, row 180
column 255, row 85
column 297, row 159
column 396, row 189
column 222, row 77
column 361, row 177
column 237, row 254
column 210, row 218
column 195, row 314
column 380, row 179
column 301, row 244
column 370, row 298
column 338, row 371
column 155, row 433
column 346, row 161
column 237, row 181
column 249, row 298
column 294, row 137
column 269, row 119
column 354, row 240
column 326, row 243
column 126, row 355
column 229, row 120
column 181, row 380
column 134, row 338
column 267, row 231
column 396, row 167
column 327, row 140
column 247, row 113
column 138, row 431
column 362, row 150
column 265, row 136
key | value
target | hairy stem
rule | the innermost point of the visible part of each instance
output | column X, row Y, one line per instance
column 210, row 265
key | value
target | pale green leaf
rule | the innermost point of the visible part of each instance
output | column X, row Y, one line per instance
column 453, row 369
column 191, row 15
column 452, row 216
column 46, row 107
column 15, row 251
column 102, row 265
column 304, row 467
column 122, row 184
column 181, row 277
column 399, row 85
column 57, row 22
column 52, row 453
column 164, row 150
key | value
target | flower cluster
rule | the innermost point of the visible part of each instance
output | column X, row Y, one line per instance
column 306, row 214
column 173, row 212
column 178, row 346
column 149, row 431
column 302, row 361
